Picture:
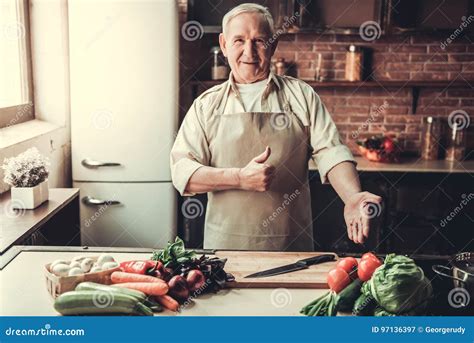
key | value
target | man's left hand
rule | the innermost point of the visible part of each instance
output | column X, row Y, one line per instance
column 360, row 208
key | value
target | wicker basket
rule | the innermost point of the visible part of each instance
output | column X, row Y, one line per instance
column 57, row 285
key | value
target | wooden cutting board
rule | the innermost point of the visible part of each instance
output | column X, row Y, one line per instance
column 243, row 263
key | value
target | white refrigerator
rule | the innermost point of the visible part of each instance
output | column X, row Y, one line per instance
column 124, row 116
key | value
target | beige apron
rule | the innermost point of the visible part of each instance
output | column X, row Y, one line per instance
column 278, row 219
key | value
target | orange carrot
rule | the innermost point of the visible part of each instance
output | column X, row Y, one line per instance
column 149, row 288
column 121, row 277
column 168, row 302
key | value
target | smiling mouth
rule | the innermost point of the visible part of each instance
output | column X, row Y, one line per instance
column 250, row 63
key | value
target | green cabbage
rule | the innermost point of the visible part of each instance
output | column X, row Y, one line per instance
column 400, row 287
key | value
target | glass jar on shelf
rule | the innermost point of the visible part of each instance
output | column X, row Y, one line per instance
column 456, row 143
column 432, row 134
column 354, row 63
column 219, row 68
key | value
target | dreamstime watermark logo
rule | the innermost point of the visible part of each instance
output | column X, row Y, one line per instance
column 14, row 209
column 459, row 120
column 192, row 30
column 287, row 23
column 280, row 121
column 364, row 304
column 370, row 210
column 370, row 31
column 102, row 119
column 195, row 294
column 373, row 115
column 303, row 2
column 22, row 110
column 103, row 299
column 44, row 331
column 14, row 31
column 285, row 203
column 458, row 297
column 280, row 297
column 88, row 222
column 465, row 200
column 465, row 22
column 192, row 208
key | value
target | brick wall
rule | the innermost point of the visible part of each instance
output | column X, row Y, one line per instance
column 393, row 58
column 410, row 57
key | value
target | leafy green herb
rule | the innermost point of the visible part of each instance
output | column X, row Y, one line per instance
column 174, row 254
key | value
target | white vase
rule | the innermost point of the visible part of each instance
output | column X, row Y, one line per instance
column 29, row 198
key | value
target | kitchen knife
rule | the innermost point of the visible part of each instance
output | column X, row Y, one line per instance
column 298, row 265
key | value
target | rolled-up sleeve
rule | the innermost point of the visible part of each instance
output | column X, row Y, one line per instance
column 328, row 150
column 190, row 149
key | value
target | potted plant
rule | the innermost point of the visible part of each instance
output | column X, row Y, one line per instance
column 27, row 174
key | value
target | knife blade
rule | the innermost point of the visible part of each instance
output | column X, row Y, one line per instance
column 298, row 265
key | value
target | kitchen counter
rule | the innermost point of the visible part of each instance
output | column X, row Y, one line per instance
column 23, row 289
column 412, row 165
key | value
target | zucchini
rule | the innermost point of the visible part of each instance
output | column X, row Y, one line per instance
column 95, row 303
column 364, row 305
column 142, row 297
column 348, row 296
column 92, row 286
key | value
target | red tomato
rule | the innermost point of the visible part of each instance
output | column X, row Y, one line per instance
column 367, row 267
column 338, row 279
column 348, row 264
column 368, row 255
column 388, row 145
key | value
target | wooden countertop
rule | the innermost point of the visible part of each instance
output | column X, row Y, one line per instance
column 23, row 291
column 412, row 165
column 18, row 224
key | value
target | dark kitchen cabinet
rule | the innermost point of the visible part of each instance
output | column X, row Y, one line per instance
column 429, row 15
column 55, row 222
column 339, row 16
column 330, row 232
column 431, row 213
column 423, row 213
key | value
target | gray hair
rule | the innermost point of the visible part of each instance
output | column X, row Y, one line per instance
column 248, row 8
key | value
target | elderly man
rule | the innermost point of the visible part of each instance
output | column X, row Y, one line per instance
column 247, row 143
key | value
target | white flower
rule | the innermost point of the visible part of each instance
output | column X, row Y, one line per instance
column 28, row 169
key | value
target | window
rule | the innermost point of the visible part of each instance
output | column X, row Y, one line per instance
column 16, row 88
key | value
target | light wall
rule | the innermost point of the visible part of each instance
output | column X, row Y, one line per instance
column 50, row 132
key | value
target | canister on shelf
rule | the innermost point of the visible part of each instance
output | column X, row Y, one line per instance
column 354, row 63
column 219, row 69
column 432, row 134
column 456, row 145
column 281, row 67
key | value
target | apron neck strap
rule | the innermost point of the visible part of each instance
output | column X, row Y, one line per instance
column 219, row 103
column 283, row 101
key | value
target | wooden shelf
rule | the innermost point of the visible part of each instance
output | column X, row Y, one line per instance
column 414, row 85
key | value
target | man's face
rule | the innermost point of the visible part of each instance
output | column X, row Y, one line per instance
column 244, row 44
